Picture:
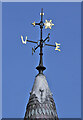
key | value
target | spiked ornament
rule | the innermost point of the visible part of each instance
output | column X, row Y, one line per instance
column 48, row 24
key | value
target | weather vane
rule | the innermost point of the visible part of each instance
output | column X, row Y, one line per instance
column 41, row 43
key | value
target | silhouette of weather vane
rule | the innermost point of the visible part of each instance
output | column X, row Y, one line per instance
column 41, row 43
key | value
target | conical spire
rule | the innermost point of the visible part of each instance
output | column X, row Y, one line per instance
column 41, row 105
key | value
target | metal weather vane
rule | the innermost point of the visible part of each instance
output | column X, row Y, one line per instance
column 41, row 43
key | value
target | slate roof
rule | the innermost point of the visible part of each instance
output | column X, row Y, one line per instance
column 41, row 105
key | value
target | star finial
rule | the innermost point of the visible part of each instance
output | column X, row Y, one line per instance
column 48, row 24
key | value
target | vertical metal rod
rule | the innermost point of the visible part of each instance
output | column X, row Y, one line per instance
column 41, row 25
column 41, row 67
column 41, row 45
column 42, row 14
